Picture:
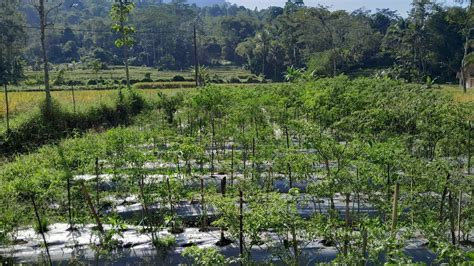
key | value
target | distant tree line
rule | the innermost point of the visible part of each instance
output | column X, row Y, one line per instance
column 429, row 42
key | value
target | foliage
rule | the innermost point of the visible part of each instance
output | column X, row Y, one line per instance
column 428, row 42
column 204, row 256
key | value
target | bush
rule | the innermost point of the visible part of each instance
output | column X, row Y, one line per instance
column 42, row 227
column 165, row 243
column 92, row 82
column 178, row 78
column 75, row 83
column 204, row 256
column 147, row 78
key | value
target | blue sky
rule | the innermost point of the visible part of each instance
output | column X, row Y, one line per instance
column 403, row 6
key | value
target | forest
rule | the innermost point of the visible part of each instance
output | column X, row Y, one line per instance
column 170, row 133
column 429, row 42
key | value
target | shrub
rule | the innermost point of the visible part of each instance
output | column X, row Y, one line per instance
column 60, row 78
column 42, row 227
column 165, row 243
column 204, row 256
column 75, row 83
column 147, row 78
column 178, row 78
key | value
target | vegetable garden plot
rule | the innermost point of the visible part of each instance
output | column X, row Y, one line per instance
column 378, row 171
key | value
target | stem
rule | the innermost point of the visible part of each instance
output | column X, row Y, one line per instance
column 346, row 240
column 92, row 209
column 395, row 207
column 241, row 225
column 443, row 198
column 97, row 181
column 203, row 207
column 459, row 217
column 232, row 166
column 40, row 227
column 71, row 226
column 451, row 218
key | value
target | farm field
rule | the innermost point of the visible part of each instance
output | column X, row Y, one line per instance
column 199, row 173
column 24, row 102
column 113, row 76
column 217, row 133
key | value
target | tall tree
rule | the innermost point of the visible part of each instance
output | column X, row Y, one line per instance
column 44, row 9
column 119, row 13
column 468, row 27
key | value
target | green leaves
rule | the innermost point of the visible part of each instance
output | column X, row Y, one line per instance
column 120, row 13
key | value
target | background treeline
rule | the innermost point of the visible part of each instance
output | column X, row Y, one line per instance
column 428, row 42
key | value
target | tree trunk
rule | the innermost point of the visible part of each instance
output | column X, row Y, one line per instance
column 43, row 24
column 463, row 78
column 40, row 227
column 443, row 199
column 364, row 245
column 347, row 210
column 294, row 243
column 196, row 59
column 127, row 73
column 328, row 172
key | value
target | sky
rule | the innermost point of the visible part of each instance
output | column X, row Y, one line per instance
column 402, row 6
